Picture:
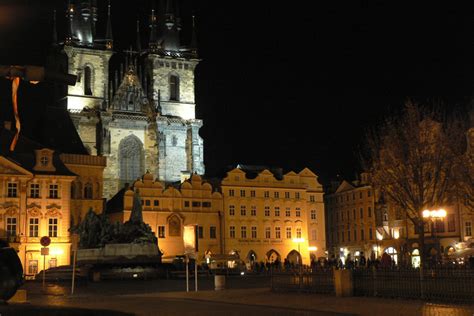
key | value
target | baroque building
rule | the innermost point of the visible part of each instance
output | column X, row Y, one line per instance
column 141, row 116
column 43, row 192
column 249, row 216
column 35, row 201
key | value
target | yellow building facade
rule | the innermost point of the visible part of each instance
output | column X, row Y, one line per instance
column 268, row 219
column 35, row 202
column 258, row 219
column 168, row 209
column 87, row 188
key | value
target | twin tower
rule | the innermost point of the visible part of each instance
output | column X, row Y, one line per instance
column 141, row 116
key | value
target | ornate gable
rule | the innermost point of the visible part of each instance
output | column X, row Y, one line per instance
column 9, row 167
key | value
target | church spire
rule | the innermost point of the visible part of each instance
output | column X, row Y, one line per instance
column 139, row 44
column 178, row 18
column 70, row 17
column 193, row 45
column 55, row 33
column 109, row 41
column 153, row 42
column 169, row 15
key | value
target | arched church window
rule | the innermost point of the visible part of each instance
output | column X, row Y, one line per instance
column 88, row 191
column 174, row 88
column 131, row 159
column 87, row 80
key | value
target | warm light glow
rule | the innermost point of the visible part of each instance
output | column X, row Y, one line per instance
column 298, row 240
column 189, row 239
column 56, row 252
column 441, row 213
column 396, row 234
column 379, row 235
column 312, row 248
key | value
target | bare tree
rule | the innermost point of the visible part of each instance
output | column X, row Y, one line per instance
column 412, row 159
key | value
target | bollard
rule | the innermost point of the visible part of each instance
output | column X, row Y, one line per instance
column 96, row 276
column 343, row 283
column 219, row 282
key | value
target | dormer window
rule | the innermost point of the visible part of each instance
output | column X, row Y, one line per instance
column 44, row 160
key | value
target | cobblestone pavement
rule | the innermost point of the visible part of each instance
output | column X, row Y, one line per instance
column 241, row 296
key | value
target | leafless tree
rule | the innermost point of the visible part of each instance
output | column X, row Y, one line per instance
column 414, row 158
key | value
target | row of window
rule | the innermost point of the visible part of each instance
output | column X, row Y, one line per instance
column 340, row 199
column 174, row 64
column 266, row 194
column 439, row 225
column 212, row 232
column 87, row 192
column 253, row 211
column 354, row 214
column 12, row 190
column 342, row 238
column 12, row 225
column 186, row 203
column 253, row 232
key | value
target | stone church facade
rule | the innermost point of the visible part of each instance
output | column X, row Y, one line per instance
column 141, row 116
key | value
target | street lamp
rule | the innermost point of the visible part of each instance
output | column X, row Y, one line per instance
column 434, row 215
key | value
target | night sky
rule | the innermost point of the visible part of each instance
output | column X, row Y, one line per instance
column 286, row 85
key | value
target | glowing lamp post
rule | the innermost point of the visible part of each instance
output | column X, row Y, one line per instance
column 434, row 215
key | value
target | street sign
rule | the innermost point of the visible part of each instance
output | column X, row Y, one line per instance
column 45, row 241
column 45, row 251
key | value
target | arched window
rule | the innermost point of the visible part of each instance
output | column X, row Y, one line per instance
column 88, row 191
column 174, row 226
column 87, row 80
column 131, row 159
column 174, row 88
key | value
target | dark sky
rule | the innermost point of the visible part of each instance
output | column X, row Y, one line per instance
column 293, row 84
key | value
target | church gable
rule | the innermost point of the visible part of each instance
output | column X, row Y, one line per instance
column 130, row 96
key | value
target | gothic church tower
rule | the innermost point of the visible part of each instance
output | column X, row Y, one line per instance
column 143, row 117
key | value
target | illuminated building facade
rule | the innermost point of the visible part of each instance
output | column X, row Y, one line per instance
column 168, row 209
column 273, row 216
column 351, row 219
column 43, row 193
column 86, row 189
column 360, row 222
column 35, row 188
column 141, row 116
column 254, row 219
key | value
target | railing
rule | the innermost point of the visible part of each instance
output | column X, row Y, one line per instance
column 311, row 281
column 439, row 284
